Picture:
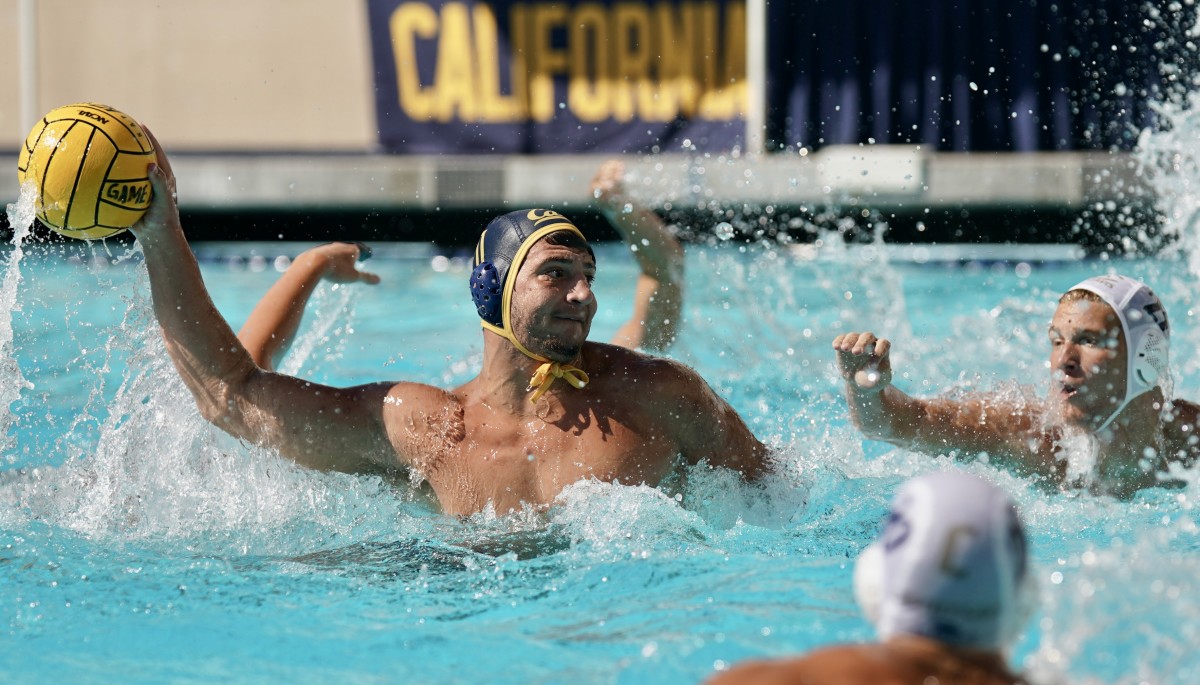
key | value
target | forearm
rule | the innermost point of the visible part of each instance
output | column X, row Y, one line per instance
column 658, row 253
column 273, row 323
column 887, row 414
column 207, row 354
column 963, row 428
column 657, row 309
column 658, row 298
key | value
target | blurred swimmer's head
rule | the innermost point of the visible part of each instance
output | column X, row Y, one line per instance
column 949, row 564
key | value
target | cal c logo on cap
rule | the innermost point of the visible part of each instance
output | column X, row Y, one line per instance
column 541, row 216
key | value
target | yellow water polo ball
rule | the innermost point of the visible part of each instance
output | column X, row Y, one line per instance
column 88, row 164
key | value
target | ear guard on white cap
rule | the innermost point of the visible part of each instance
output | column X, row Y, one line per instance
column 1149, row 359
column 869, row 594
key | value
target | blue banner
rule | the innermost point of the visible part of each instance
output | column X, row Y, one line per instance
column 476, row 77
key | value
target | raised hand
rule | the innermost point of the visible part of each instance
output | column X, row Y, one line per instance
column 658, row 302
column 338, row 262
column 608, row 185
column 163, row 212
column 863, row 359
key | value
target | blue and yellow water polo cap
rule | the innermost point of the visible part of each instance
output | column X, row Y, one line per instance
column 501, row 250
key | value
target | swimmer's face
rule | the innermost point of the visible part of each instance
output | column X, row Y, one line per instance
column 552, row 301
column 1087, row 362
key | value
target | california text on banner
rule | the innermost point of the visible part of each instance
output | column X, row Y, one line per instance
column 464, row 76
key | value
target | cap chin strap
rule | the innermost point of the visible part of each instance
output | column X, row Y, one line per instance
column 1117, row 412
column 1141, row 376
column 547, row 372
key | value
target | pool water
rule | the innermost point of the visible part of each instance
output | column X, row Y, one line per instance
column 140, row 545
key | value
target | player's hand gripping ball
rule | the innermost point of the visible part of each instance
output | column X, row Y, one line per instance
column 88, row 163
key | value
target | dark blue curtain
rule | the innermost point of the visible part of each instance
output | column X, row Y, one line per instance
column 1012, row 75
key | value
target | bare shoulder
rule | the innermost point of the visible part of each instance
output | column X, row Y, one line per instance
column 604, row 362
column 866, row 664
column 760, row 673
column 1181, row 428
column 674, row 397
column 836, row 665
column 407, row 395
column 424, row 423
column 659, row 383
column 424, row 403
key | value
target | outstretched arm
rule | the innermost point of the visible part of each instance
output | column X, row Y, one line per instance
column 317, row 426
column 658, row 302
column 882, row 412
column 271, row 327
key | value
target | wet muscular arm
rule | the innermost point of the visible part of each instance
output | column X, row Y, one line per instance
column 317, row 426
column 711, row 430
column 881, row 411
column 271, row 327
column 658, row 301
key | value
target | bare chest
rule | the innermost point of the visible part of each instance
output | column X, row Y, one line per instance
column 507, row 462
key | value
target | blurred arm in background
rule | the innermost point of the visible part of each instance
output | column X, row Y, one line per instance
column 658, row 302
column 271, row 327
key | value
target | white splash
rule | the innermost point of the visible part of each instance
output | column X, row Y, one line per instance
column 332, row 311
column 20, row 217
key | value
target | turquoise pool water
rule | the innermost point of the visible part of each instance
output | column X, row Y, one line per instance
column 139, row 545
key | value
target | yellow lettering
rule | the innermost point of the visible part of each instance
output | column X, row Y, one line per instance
column 631, row 32
column 706, row 46
column 679, row 89
column 518, row 59
column 654, row 61
column 494, row 106
column 726, row 97
column 545, row 61
column 588, row 92
column 455, row 74
column 735, row 59
column 411, row 21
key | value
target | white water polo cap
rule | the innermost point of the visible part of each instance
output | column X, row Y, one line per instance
column 950, row 564
column 1144, row 325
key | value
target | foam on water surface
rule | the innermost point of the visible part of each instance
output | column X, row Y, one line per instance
column 147, row 524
